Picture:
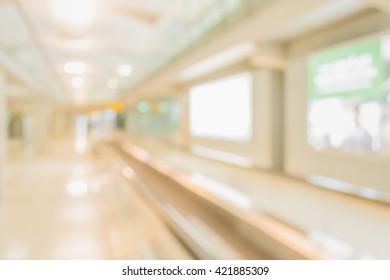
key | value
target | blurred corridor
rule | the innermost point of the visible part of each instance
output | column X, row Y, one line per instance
column 178, row 129
column 70, row 206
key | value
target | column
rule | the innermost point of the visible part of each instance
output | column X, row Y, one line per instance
column 3, row 131
column 184, row 137
column 42, row 117
column 269, row 64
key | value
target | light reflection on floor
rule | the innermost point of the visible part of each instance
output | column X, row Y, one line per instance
column 70, row 206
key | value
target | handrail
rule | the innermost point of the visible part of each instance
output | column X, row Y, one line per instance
column 199, row 241
column 290, row 243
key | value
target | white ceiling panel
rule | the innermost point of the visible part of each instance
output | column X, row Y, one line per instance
column 41, row 36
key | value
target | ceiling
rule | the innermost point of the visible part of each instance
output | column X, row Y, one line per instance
column 94, row 51
column 87, row 52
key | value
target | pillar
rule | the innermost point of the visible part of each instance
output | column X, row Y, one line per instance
column 3, row 131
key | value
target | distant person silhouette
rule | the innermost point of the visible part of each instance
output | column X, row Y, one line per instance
column 358, row 140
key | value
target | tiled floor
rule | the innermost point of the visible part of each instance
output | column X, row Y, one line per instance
column 70, row 206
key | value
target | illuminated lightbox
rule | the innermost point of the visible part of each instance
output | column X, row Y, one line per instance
column 349, row 98
column 222, row 109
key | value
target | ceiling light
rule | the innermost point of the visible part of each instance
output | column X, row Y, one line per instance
column 77, row 188
column 124, row 70
column 74, row 13
column 128, row 172
column 75, row 68
column 112, row 83
column 77, row 82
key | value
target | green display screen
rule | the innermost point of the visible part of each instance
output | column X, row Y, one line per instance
column 349, row 97
column 355, row 70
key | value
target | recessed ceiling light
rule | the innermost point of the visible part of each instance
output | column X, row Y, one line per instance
column 77, row 82
column 77, row 188
column 124, row 70
column 73, row 13
column 75, row 68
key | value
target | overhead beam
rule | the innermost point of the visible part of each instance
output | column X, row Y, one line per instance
column 54, row 87
column 269, row 56
column 136, row 13
column 258, row 27
column 124, row 9
column 10, row 65
column 381, row 4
